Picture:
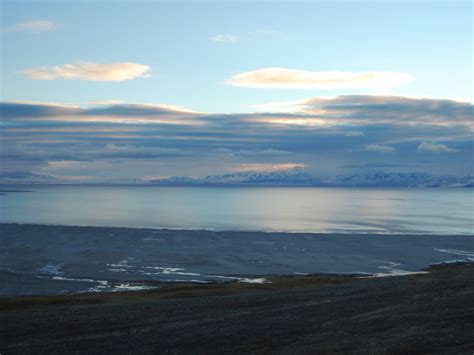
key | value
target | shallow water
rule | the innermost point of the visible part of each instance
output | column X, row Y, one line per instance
column 321, row 210
column 37, row 259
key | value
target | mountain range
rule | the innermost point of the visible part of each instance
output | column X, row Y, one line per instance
column 276, row 178
column 370, row 179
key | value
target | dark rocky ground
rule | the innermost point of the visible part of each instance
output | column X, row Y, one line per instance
column 425, row 313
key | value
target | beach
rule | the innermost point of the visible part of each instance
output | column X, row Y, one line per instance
column 422, row 313
column 71, row 289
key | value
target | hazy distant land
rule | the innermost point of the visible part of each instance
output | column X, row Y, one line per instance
column 276, row 178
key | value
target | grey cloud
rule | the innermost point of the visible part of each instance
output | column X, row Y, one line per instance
column 393, row 108
column 380, row 148
column 37, row 133
column 133, row 110
column 11, row 110
column 378, row 166
column 430, row 147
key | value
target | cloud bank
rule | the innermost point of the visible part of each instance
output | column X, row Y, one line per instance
column 90, row 71
column 323, row 136
column 267, row 167
column 284, row 78
column 34, row 26
column 430, row 147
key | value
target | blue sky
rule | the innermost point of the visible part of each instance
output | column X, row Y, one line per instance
column 240, row 62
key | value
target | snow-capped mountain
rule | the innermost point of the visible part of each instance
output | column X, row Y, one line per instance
column 400, row 180
column 276, row 178
column 371, row 179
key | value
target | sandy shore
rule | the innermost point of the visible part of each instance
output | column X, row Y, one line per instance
column 423, row 313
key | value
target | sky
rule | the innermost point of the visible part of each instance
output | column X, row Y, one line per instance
column 99, row 90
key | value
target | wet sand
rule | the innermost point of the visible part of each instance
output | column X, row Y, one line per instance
column 412, row 314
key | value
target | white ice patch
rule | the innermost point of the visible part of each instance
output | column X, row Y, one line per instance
column 52, row 269
column 168, row 269
column 180, row 273
column 393, row 271
column 468, row 254
column 118, row 270
column 161, row 270
column 119, row 265
column 130, row 287
column 125, row 263
column 61, row 278
column 254, row 281
column 222, row 277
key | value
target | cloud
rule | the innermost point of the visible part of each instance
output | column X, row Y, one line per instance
column 380, row 148
column 34, row 26
column 267, row 167
column 90, row 71
column 284, row 78
column 378, row 109
column 188, row 143
column 378, row 166
column 227, row 38
column 429, row 147
column 114, row 113
column 133, row 151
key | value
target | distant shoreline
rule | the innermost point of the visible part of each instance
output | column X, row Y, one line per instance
column 244, row 231
column 29, row 184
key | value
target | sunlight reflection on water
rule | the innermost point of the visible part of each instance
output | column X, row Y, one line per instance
column 439, row 211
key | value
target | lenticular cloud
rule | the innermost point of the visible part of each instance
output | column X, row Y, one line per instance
column 90, row 71
column 283, row 78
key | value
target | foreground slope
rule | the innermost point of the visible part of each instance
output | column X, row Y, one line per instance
column 425, row 313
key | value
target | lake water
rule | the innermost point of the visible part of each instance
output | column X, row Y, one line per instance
column 324, row 210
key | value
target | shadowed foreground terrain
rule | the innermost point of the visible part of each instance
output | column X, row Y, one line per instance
column 424, row 313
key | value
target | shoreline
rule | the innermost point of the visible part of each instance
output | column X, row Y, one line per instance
column 424, row 313
column 271, row 281
column 243, row 231
column 45, row 259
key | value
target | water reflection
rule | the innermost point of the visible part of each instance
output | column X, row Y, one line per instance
column 440, row 211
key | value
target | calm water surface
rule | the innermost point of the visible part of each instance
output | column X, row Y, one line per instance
column 437, row 211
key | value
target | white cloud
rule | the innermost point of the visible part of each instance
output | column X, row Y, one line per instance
column 295, row 106
column 90, row 71
column 224, row 38
column 428, row 147
column 284, row 78
column 380, row 148
column 34, row 26
column 267, row 167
